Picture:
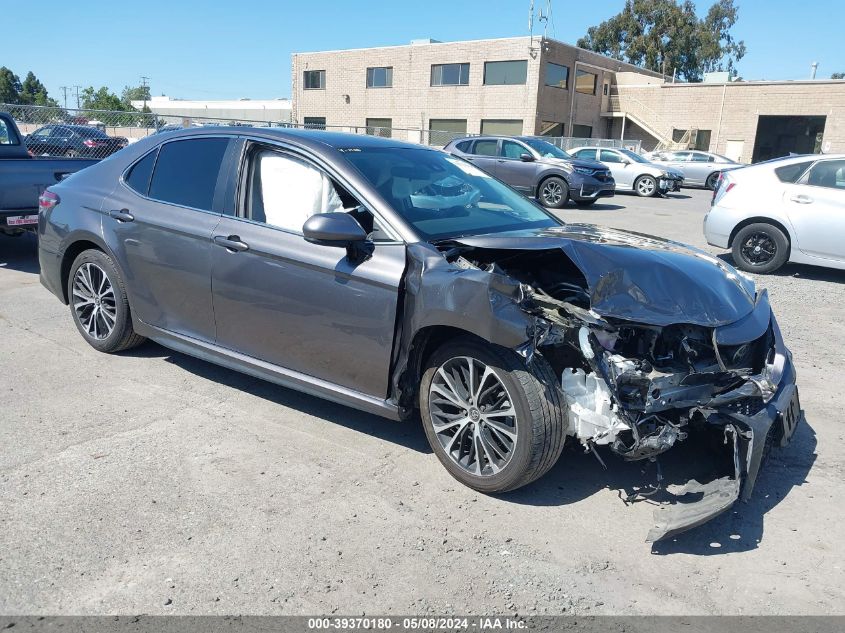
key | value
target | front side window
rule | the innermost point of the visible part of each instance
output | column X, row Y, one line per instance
column 138, row 176
column 557, row 76
column 588, row 154
column 585, row 82
column 510, row 149
column 314, row 79
column 828, row 173
column 450, row 75
column 43, row 132
column 380, row 77
column 285, row 191
column 442, row 196
column 609, row 156
column 510, row 73
column 186, row 172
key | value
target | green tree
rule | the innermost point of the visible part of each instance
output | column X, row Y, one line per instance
column 667, row 35
column 10, row 86
column 100, row 99
column 138, row 93
column 838, row 76
column 33, row 92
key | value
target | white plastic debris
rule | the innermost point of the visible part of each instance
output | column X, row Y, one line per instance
column 591, row 412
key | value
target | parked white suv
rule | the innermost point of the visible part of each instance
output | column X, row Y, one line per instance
column 788, row 209
column 633, row 172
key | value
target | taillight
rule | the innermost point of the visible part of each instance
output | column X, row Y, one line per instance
column 89, row 143
column 47, row 200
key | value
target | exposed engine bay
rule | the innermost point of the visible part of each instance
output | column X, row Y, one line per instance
column 639, row 369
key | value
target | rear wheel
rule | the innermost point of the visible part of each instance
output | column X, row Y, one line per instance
column 98, row 303
column 712, row 180
column 760, row 248
column 645, row 186
column 493, row 423
column 71, row 153
column 554, row 192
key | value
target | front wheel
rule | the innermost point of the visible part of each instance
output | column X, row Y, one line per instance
column 71, row 153
column 645, row 186
column 554, row 192
column 760, row 248
column 494, row 423
column 98, row 303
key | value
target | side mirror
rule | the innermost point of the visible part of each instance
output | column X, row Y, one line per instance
column 340, row 230
column 525, row 157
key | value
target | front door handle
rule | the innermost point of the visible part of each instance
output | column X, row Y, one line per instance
column 121, row 215
column 801, row 199
column 232, row 243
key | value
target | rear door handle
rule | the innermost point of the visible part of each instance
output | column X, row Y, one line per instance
column 121, row 215
column 232, row 243
column 801, row 199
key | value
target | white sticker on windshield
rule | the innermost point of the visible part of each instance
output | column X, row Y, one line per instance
column 467, row 168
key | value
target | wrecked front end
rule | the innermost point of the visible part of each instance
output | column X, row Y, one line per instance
column 654, row 344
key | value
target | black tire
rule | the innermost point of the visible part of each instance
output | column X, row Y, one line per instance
column 553, row 192
column 760, row 248
column 533, row 394
column 712, row 180
column 121, row 336
column 585, row 203
column 645, row 186
column 71, row 153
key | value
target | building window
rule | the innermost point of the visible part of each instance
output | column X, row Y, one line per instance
column 380, row 77
column 314, row 80
column 505, row 73
column 379, row 127
column 449, row 74
column 503, row 127
column 552, row 128
column 694, row 139
column 582, row 131
column 585, row 82
column 315, row 122
column 557, row 76
column 441, row 131
column 605, row 89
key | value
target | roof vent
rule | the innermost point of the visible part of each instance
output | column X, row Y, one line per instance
column 424, row 41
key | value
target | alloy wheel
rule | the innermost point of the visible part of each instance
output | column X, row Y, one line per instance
column 94, row 301
column 759, row 248
column 473, row 416
column 646, row 186
column 552, row 193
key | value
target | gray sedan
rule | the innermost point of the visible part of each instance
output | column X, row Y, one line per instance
column 701, row 169
column 398, row 279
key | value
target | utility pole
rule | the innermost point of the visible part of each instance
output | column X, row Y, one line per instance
column 144, row 81
column 76, row 88
column 64, row 92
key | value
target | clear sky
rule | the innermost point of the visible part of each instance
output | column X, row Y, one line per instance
column 227, row 49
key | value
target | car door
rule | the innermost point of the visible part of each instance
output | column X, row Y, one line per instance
column 60, row 140
column 37, row 142
column 816, row 209
column 159, row 221
column 619, row 167
column 485, row 155
column 519, row 174
column 698, row 167
column 301, row 306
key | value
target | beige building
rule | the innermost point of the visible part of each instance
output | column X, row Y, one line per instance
column 525, row 85
column 518, row 85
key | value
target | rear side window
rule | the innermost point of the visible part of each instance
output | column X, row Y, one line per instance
column 138, row 177
column 186, row 172
column 485, row 148
column 791, row 173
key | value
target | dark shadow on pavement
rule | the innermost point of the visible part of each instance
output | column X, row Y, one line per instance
column 803, row 271
column 19, row 253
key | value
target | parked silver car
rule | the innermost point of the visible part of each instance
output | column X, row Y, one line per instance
column 701, row 169
column 632, row 172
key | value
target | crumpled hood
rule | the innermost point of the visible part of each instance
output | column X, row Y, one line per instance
column 639, row 277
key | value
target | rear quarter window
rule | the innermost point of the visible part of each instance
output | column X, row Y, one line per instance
column 186, row 172
column 138, row 176
column 463, row 146
column 791, row 173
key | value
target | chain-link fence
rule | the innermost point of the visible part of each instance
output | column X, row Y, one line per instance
column 57, row 131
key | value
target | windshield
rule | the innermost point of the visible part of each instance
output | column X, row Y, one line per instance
column 442, row 196
column 634, row 156
column 545, row 149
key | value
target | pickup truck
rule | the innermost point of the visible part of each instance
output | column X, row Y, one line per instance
column 24, row 177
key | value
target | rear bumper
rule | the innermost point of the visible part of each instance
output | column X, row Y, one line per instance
column 50, row 274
